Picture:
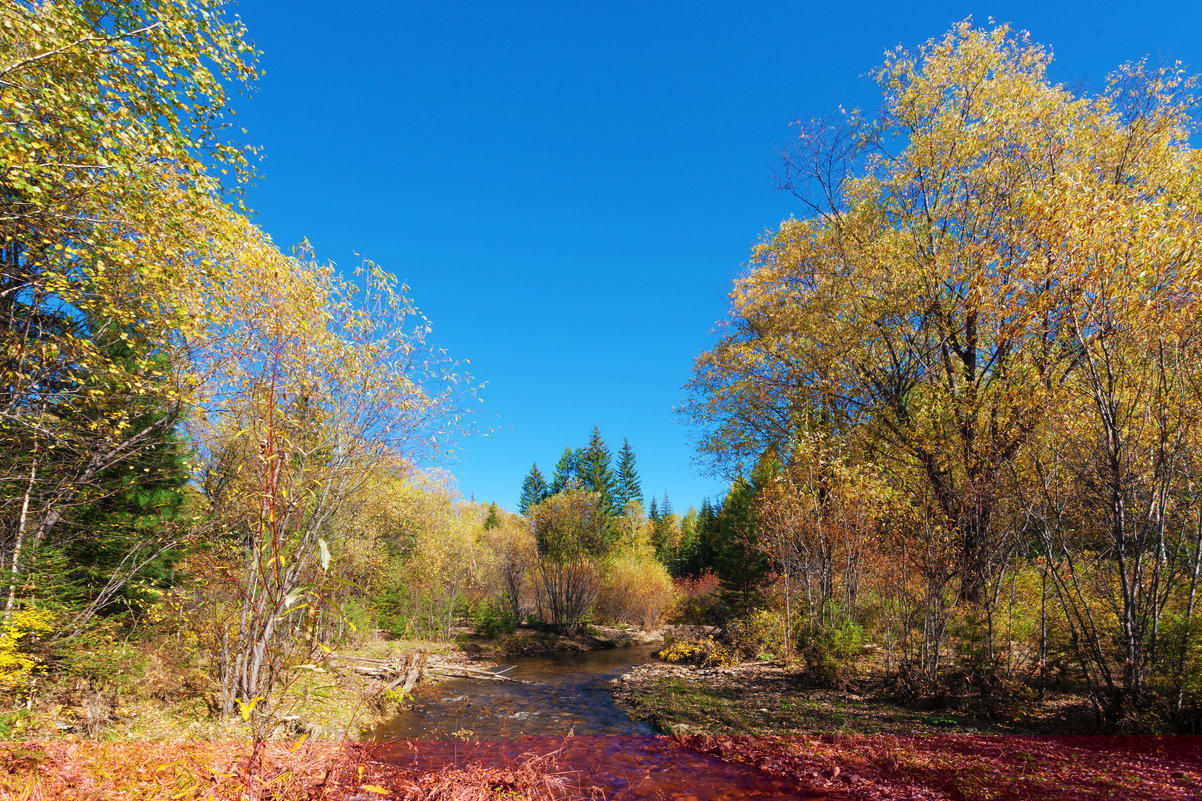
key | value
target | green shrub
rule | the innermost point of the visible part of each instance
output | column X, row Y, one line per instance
column 360, row 619
column 491, row 622
column 102, row 656
column 829, row 653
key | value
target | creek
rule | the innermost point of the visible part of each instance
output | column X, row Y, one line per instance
column 465, row 721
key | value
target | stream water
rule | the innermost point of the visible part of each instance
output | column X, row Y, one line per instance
column 559, row 694
column 465, row 721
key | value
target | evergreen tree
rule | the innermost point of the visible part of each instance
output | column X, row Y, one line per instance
column 493, row 520
column 665, row 535
column 596, row 475
column 738, row 561
column 740, row 566
column 689, row 530
column 629, row 488
column 565, row 472
column 534, row 491
column 142, row 510
column 701, row 553
column 653, row 512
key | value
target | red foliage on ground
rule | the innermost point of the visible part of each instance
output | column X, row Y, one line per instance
column 37, row 771
column 973, row 767
column 881, row 767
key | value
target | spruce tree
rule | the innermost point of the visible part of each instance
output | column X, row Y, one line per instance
column 596, row 475
column 565, row 472
column 629, row 487
column 493, row 520
column 534, row 490
column 702, row 551
column 664, row 533
column 739, row 562
column 653, row 512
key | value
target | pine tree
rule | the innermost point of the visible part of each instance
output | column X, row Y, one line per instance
column 629, row 487
column 534, row 490
column 493, row 520
column 565, row 472
column 653, row 512
column 596, row 475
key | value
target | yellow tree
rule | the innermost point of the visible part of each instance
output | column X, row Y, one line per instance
column 1123, row 243
column 996, row 297
column 307, row 385
column 110, row 138
column 919, row 307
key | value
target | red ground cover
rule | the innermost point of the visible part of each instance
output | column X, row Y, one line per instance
column 974, row 767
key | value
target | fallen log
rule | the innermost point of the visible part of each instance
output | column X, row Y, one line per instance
column 456, row 671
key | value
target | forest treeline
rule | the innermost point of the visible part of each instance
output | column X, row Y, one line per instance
column 968, row 380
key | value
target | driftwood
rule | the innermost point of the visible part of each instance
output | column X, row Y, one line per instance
column 405, row 670
column 458, row 671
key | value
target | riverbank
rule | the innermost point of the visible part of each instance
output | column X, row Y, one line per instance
column 970, row 767
column 531, row 641
column 159, row 696
column 756, row 698
column 156, row 698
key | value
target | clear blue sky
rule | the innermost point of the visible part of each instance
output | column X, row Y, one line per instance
column 569, row 188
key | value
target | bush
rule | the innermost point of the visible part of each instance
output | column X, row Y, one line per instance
column 21, row 626
column 828, row 653
column 756, row 635
column 491, row 622
column 706, row 652
column 360, row 619
column 635, row 589
column 101, row 656
column 698, row 602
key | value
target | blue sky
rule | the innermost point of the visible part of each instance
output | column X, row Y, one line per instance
column 569, row 189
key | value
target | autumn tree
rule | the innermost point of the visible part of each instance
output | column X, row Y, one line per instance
column 951, row 360
column 332, row 379
column 992, row 297
column 514, row 552
column 111, row 139
column 572, row 532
